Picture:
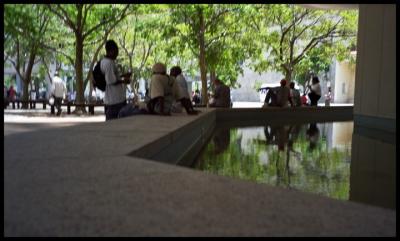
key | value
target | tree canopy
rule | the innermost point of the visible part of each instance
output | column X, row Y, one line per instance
column 206, row 40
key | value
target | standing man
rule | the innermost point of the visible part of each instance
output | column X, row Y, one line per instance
column 58, row 91
column 114, row 97
column 222, row 95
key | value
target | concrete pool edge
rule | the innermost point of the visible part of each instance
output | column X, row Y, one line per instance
column 182, row 145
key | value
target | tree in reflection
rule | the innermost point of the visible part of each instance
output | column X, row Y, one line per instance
column 232, row 161
column 287, row 155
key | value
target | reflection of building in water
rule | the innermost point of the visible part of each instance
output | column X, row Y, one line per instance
column 373, row 169
column 248, row 135
column 338, row 134
column 341, row 134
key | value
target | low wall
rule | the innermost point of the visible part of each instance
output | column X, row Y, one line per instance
column 182, row 146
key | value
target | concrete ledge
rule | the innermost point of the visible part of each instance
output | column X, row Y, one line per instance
column 83, row 181
column 248, row 116
column 182, row 145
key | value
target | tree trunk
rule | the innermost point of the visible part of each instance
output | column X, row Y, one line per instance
column 212, row 77
column 288, row 75
column 202, row 60
column 27, row 78
column 80, row 98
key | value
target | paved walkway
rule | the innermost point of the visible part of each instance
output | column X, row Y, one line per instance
column 79, row 181
column 17, row 120
column 44, row 116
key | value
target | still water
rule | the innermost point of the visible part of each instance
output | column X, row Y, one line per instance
column 312, row 157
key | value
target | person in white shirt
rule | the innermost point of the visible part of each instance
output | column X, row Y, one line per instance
column 315, row 93
column 58, row 91
column 114, row 97
column 176, row 72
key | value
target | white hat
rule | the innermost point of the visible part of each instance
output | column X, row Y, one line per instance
column 159, row 68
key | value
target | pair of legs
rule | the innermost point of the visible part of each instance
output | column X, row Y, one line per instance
column 314, row 98
column 57, row 103
column 112, row 111
column 187, row 104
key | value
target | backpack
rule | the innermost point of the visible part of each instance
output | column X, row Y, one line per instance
column 99, row 79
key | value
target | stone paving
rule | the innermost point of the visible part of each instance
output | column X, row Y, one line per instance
column 79, row 181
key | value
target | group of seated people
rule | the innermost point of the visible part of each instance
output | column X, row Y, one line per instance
column 169, row 94
column 282, row 96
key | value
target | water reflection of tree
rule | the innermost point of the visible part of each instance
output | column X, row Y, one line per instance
column 323, row 170
column 233, row 161
column 296, row 165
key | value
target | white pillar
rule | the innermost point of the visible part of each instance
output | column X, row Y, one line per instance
column 375, row 84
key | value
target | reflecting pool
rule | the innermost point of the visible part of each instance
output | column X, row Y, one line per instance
column 313, row 157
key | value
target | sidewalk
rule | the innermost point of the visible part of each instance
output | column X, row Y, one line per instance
column 44, row 116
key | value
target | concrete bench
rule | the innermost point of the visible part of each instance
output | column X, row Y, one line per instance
column 69, row 104
column 32, row 103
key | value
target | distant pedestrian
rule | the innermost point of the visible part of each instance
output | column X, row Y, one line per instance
column 11, row 93
column 304, row 100
column 58, row 91
column 5, row 97
column 196, row 97
column 315, row 93
column 328, row 97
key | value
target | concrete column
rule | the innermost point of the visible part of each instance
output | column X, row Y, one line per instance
column 375, row 84
column 373, row 161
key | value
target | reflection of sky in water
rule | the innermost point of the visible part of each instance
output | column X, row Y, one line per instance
column 308, row 157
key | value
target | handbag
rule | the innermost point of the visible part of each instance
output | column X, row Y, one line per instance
column 51, row 100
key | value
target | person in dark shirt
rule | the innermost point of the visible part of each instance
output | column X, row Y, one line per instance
column 222, row 95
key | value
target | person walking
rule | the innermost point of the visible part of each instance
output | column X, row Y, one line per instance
column 58, row 91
